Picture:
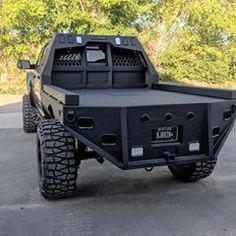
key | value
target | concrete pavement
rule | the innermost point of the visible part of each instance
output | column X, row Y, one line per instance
column 109, row 201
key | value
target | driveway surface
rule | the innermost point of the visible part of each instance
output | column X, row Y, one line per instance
column 108, row 201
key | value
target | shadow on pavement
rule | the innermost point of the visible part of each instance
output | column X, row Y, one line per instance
column 126, row 185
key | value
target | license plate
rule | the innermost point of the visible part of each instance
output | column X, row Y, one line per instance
column 165, row 135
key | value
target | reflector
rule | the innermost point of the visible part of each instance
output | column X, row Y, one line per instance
column 194, row 146
column 137, row 152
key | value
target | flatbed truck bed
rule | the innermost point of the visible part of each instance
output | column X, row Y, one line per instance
column 137, row 97
column 100, row 97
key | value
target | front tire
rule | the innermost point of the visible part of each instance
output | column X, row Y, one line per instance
column 193, row 172
column 57, row 164
column 30, row 116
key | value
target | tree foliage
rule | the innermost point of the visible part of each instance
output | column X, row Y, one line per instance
column 186, row 39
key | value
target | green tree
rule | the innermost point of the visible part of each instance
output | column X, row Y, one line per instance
column 202, row 45
column 186, row 39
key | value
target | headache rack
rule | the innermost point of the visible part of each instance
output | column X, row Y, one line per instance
column 78, row 62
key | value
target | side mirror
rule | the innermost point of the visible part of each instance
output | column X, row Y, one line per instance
column 24, row 64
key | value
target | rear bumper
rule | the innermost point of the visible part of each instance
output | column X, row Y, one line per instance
column 131, row 131
column 163, row 162
column 125, row 165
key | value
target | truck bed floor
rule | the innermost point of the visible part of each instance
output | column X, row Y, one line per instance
column 137, row 97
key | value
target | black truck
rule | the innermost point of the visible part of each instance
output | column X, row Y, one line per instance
column 100, row 97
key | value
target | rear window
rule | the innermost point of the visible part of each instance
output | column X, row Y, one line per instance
column 96, row 54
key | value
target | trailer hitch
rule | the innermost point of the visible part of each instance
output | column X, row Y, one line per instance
column 170, row 157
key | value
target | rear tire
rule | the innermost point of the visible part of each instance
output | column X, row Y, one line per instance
column 30, row 116
column 193, row 172
column 57, row 164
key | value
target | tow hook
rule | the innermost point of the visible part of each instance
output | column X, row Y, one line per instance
column 148, row 169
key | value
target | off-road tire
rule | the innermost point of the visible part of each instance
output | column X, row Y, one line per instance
column 193, row 172
column 30, row 116
column 57, row 163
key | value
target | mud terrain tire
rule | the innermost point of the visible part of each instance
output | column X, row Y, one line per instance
column 57, row 163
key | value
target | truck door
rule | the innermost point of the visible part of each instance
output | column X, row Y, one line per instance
column 36, row 82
